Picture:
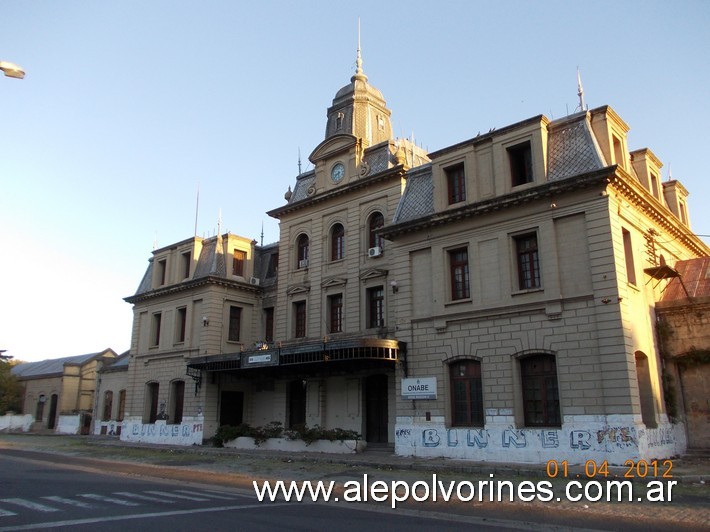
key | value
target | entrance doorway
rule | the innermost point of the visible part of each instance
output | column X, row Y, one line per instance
column 231, row 410
column 376, row 414
column 297, row 404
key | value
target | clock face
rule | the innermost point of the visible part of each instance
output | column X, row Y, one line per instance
column 337, row 173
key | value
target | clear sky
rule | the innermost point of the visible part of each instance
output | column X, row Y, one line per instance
column 129, row 107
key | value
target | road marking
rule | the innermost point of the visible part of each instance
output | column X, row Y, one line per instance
column 177, row 496
column 6, row 513
column 141, row 497
column 70, row 502
column 203, row 494
column 106, row 519
column 31, row 505
column 104, row 498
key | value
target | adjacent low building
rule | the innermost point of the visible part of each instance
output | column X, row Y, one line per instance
column 59, row 392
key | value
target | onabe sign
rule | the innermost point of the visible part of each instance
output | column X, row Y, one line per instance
column 419, row 388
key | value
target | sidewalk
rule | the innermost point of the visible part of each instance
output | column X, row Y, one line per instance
column 687, row 469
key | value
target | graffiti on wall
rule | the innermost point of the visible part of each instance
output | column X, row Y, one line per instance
column 607, row 437
column 187, row 433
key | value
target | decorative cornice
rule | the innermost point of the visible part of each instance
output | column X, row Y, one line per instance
column 397, row 171
column 551, row 188
column 634, row 192
column 191, row 285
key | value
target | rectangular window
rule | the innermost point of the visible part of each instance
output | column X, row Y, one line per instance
column 335, row 310
column 238, row 262
column 155, row 332
column 375, row 307
column 528, row 261
column 629, row 257
column 456, row 183
column 459, row 274
column 269, row 324
column 273, row 269
column 299, row 319
column 186, row 263
column 618, row 152
column 181, row 325
column 162, row 272
column 540, row 394
column 654, row 186
column 521, row 169
column 235, row 323
column 466, row 394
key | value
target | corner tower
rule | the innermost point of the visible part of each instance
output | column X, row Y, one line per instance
column 359, row 109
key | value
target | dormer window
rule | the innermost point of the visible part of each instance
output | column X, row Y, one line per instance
column 456, row 183
column 619, row 153
column 521, row 168
column 186, row 263
column 654, row 186
column 162, row 271
column 238, row 261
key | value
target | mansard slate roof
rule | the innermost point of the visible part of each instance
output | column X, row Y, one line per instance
column 48, row 368
column 211, row 263
column 571, row 151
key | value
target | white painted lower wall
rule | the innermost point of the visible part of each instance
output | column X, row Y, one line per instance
column 614, row 438
column 189, row 432
column 68, row 424
column 284, row 444
column 10, row 422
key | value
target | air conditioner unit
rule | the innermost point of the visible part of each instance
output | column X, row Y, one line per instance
column 303, row 263
column 374, row 252
column 254, row 281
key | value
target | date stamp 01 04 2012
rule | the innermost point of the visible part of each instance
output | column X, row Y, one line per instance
column 630, row 470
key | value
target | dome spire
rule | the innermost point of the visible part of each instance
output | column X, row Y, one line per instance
column 359, row 74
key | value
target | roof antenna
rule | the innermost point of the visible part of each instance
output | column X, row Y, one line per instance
column 197, row 207
column 580, row 92
column 359, row 74
column 262, row 234
column 299, row 165
column 670, row 174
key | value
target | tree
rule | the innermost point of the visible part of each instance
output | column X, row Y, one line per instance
column 10, row 389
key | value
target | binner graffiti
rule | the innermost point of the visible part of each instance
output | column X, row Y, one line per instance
column 607, row 437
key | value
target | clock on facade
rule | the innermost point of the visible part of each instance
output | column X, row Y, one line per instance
column 337, row 173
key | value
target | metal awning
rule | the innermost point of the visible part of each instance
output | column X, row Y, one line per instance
column 305, row 355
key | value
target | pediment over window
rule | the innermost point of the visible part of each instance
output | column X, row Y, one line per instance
column 298, row 289
column 333, row 281
column 373, row 273
column 332, row 146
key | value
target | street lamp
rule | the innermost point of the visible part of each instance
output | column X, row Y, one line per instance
column 12, row 70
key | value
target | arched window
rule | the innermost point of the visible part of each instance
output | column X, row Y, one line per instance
column 466, row 394
column 337, row 242
column 377, row 221
column 541, row 401
column 108, row 405
column 177, row 399
column 302, row 251
column 150, row 406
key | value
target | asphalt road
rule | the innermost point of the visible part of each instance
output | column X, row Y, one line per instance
column 36, row 494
